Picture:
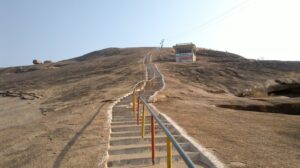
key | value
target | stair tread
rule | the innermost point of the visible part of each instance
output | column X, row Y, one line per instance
column 144, row 155
column 135, row 125
column 133, row 122
column 139, row 137
column 144, row 159
column 142, row 147
column 175, row 164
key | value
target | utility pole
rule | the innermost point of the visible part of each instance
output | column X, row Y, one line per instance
column 161, row 46
column 162, row 43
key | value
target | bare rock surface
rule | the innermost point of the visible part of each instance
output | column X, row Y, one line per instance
column 246, row 110
column 55, row 115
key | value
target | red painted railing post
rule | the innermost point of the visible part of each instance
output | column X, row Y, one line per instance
column 133, row 103
column 153, row 139
column 138, row 111
column 138, row 102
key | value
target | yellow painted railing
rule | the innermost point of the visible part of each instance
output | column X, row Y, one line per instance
column 169, row 153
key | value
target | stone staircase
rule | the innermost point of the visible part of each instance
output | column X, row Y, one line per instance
column 128, row 149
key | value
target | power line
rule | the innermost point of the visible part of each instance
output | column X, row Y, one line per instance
column 219, row 18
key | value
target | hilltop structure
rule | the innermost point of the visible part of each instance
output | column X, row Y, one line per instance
column 185, row 52
column 35, row 62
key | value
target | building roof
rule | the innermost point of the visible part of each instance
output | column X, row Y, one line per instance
column 185, row 45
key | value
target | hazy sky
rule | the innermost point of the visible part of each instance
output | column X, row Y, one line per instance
column 62, row 29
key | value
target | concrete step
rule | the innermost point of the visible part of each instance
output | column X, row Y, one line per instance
column 126, row 101
column 118, row 128
column 124, row 106
column 124, row 114
column 145, row 158
column 127, row 115
column 127, row 118
column 139, row 140
column 132, row 122
column 175, row 164
column 140, row 148
column 138, row 133
column 132, row 117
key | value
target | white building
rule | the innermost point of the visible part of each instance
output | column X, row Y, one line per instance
column 185, row 52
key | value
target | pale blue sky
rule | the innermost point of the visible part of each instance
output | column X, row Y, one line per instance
column 62, row 29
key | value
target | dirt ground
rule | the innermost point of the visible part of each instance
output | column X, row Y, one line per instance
column 68, row 125
column 239, row 138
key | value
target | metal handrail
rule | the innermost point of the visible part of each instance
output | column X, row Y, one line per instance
column 170, row 137
column 184, row 156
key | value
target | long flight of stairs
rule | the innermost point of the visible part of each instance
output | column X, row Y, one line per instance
column 128, row 149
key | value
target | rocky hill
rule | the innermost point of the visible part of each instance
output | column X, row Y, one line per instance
column 55, row 114
column 245, row 111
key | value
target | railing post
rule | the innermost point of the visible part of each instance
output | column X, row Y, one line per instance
column 169, row 153
column 170, row 140
column 133, row 103
column 143, row 122
column 138, row 112
column 153, row 139
column 138, row 103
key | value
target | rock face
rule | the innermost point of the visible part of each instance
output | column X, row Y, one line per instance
column 218, row 71
column 284, row 86
column 289, row 87
column 201, row 97
column 63, row 106
column 22, row 95
column 256, row 91
column 75, row 94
